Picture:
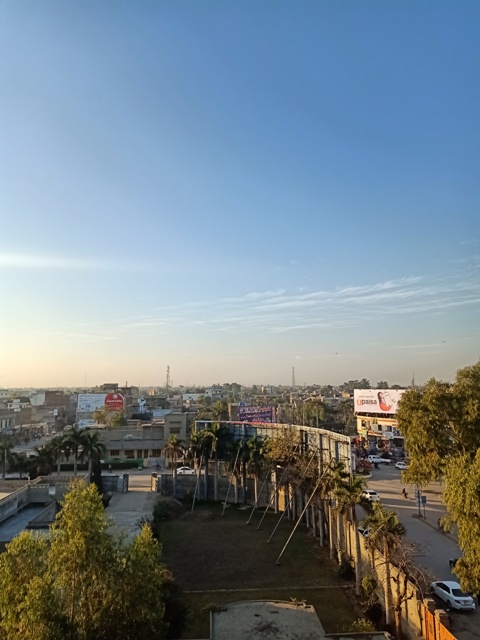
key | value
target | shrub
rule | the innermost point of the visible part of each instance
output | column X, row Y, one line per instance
column 362, row 625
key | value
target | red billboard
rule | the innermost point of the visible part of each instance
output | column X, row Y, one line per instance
column 114, row 402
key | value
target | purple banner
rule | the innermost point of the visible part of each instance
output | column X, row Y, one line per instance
column 256, row 414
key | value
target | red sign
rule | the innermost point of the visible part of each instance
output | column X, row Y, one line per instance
column 114, row 402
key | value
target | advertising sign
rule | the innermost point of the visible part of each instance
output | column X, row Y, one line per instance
column 379, row 401
column 114, row 402
column 89, row 402
column 256, row 414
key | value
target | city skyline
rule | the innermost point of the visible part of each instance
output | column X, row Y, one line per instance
column 236, row 189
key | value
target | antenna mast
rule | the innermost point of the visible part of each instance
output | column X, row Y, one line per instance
column 167, row 381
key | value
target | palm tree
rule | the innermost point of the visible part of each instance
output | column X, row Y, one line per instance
column 19, row 462
column 256, row 459
column 348, row 494
column 93, row 450
column 75, row 442
column 6, row 447
column 43, row 463
column 60, row 448
column 173, row 449
column 385, row 531
column 215, row 434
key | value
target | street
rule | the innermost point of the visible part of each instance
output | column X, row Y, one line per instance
column 435, row 547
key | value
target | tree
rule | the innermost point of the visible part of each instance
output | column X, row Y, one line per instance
column 256, row 458
column 93, row 450
column 83, row 583
column 75, row 441
column 215, row 434
column 6, row 446
column 385, row 532
column 348, row 493
column 382, row 384
column 28, row 603
column 19, row 462
column 110, row 419
column 173, row 449
column 441, row 426
column 60, row 448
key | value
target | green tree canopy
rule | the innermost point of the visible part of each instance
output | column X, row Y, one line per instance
column 83, row 583
column 441, row 426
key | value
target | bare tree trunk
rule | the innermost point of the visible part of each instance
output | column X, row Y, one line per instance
column 330, row 531
column 358, row 561
column 388, row 587
column 174, row 481
column 235, row 487
column 215, row 478
column 321, row 526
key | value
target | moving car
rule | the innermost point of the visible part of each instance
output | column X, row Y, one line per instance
column 185, row 471
column 378, row 460
column 451, row 593
column 401, row 465
column 371, row 496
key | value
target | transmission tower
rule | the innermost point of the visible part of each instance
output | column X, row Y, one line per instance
column 167, row 381
column 293, row 376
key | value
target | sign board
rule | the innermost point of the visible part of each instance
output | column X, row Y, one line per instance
column 255, row 414
column 114, row 402
column 90, row 402
column 380, row 401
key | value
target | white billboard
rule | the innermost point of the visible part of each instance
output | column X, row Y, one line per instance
column 89, row 402
column 379, row 401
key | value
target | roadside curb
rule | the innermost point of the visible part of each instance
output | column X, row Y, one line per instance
column 432, row 526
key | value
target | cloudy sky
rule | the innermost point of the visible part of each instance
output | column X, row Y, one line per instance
column 234, row 189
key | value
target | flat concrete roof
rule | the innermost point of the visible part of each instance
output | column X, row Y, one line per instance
column 262, row 620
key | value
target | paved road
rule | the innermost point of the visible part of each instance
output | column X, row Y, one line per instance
column 436, row 548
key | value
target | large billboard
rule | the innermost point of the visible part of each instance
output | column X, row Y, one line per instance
column 256, row 414
column 89, row 402
column 379, row 401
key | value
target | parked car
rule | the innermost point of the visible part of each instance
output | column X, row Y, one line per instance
column 185, row 471
column 364, row 531
column 401, row 465
column 371, row 496
column 451, row 593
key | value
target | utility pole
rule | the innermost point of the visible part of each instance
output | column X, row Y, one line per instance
column 167, row 381
column 293, row 376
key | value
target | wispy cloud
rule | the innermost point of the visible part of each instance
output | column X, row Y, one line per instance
column 29, row 261
column 277, row 311
column 38, row 261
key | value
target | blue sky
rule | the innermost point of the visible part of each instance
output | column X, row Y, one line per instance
column 236, row 188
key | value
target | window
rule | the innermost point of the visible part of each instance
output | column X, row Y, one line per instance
column 175, row 429
column 145, row 453
column 114, row 453
column 139, row 453
column 129, row 453
column 156, row 453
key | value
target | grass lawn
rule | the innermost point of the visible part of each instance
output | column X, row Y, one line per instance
column 218, row 560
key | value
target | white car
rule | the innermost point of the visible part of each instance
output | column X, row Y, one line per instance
column 364, row 531
column 378, row 460
column 403, row 466
column 371, row 496
column 185, row 471
column 451, row 593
